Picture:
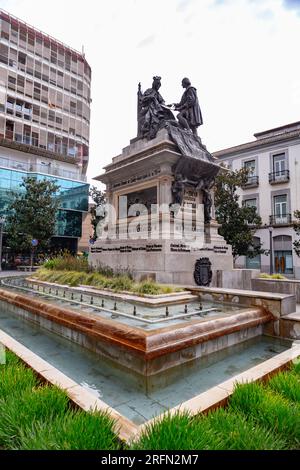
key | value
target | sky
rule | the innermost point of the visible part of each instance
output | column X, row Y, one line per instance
column 241, row 55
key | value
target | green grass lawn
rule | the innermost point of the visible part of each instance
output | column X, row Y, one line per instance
column 259, row 416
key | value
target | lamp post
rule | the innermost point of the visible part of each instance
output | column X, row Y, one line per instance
column 1, row 238
column 271, row 249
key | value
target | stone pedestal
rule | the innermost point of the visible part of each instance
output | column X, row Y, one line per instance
column 143, row 237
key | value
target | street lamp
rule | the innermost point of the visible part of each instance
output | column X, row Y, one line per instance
column 2, row 220
column 271, row 249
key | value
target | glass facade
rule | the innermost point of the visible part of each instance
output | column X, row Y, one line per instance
column 44, row 91
column 73, row 197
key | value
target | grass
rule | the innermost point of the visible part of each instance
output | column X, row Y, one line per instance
column 219, row 430
column 119, row 283
column 286, row 384
column 35, row 416
column 38, row 416
column 17, row 413
column 270, row 410
column 72, row 431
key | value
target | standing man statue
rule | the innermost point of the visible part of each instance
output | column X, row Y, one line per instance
column 189, row 116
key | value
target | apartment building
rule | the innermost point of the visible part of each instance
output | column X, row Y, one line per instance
column 273, row 187
column 44, row 121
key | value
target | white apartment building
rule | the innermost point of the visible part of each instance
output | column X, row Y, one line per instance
column 273, row 187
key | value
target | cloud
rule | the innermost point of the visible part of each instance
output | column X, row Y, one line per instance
column 265, row 15
column 292, row 4
column 147, row 41
column 183, row 5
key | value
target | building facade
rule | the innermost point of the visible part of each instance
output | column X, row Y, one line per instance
column 44, row 121
column 273, row 187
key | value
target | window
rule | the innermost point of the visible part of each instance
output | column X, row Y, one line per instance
column 14, row 34
column 3, row 54
column 254, row 263
column 250, row 202
column 279, row 163
column 12, row 82
column 39, row 47
column 283, row 254
column 30, row 66
column 251, row 167
column 281, row 209
column 13, row 58
column 5, row 29
column 20, row 84
column 29, row 88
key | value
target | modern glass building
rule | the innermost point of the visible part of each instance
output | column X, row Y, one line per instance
column 44, row 120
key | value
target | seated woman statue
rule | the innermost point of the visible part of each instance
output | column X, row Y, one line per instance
column 153, row 111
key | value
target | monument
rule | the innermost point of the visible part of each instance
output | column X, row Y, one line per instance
column 159, row 218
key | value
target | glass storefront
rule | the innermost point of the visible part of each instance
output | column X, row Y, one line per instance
column 73, row 197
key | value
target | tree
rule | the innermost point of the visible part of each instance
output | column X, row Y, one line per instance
column 99, row 200
column 238, row 223
column 32, row 215
column 297, row 230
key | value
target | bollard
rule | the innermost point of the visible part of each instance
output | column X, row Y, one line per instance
column 92, row 301
column 185, row 309
column 134, row 311
column 56, row 293
column 115, row 306
column 167, row 311
column 102, row 304
column 64, row 294
column 81, row 298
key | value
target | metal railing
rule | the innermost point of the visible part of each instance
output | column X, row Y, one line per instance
column 39, row 168
column 282, row 219
column 252, row 181
column 279, row 176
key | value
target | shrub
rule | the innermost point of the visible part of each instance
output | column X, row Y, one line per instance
column 67, row 263
column 73, row 431
column 116, row 283
column 271, row 276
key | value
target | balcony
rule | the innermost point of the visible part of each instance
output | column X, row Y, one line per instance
column 279, row 177
column 44, row 169
column 282, row 219
column 252, row 182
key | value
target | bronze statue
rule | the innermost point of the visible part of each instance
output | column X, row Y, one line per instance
column 189, row 117
column 178, row 189
column 152, row 111
column 205, row 186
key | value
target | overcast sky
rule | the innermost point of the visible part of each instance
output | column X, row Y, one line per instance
column 241, row 55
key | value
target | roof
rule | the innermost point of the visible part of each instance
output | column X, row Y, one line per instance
column 13, row 20
column 272, row 136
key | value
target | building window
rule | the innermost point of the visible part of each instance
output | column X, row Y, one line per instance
column 251, row 203
column 251, row 167
column 281, row 209
column 283, row 254
column 279, row 163
column 254, row 263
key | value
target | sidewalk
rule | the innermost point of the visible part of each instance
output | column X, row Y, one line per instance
column 10, row 273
